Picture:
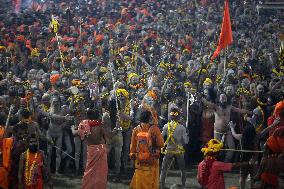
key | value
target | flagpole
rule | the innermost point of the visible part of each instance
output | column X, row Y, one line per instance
column 225, row 61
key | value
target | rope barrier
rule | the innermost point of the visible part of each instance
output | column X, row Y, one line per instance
column 246, row 151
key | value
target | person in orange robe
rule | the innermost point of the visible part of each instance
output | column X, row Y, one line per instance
column 5, row 151
column 32, row 166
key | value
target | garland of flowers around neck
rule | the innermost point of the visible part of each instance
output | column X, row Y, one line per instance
column 180, row 149
column 259, row 127
column 126, row 124
column 260, row 103
column 46, row 108
column 137, row 86
column 243, row 91
column 28, row 172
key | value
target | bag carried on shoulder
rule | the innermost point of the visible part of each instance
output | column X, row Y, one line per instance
column 144, row 146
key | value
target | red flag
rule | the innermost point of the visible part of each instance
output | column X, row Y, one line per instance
column 226, row 36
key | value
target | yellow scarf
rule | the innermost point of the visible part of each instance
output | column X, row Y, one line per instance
column 171, row 131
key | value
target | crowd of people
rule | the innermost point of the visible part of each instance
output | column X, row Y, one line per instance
column 108, row 84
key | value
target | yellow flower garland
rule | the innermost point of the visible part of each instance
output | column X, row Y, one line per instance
column 125, row 124
column 77, row 98
column 213, row 145
column 243, row 91
column 259, row 128
column 45, row 108
column 123, row 92
column 260, row 103
column 28, row 171
column 137, row 86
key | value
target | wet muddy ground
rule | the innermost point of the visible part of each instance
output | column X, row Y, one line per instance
column 173, row 179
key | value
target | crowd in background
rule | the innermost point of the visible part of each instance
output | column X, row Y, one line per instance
column 60, row 58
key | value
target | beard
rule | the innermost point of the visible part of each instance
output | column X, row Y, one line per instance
column 33, row 148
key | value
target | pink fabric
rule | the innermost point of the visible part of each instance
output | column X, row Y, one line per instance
column 95, row 175
column 216, row 178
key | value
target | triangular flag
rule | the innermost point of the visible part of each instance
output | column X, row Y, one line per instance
column 226, row 35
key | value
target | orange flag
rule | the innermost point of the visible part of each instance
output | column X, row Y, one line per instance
column 226, row 36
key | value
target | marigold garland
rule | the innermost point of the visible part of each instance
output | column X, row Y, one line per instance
column 213, row 145
column 28, row 171
column 260, row 103
column 259, row 128
column 243, row 91
column 123, row 92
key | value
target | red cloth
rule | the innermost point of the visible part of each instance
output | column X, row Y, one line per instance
column 95, row 175
column 226, row 35
column 272, row 143
column 204, row 171
column 216, row 177
column 85, row 127
column 269, row 178
column 207, row 132
column 276, row 141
